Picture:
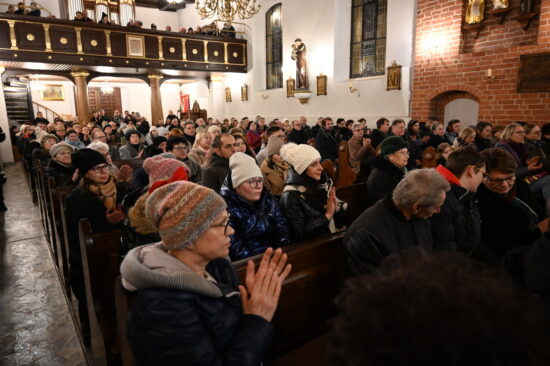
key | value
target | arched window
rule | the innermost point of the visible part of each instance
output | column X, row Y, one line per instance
column 274, row 48
column 368, row 38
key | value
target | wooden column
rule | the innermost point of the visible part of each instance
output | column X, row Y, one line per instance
column 156, row 101
column 82, row 107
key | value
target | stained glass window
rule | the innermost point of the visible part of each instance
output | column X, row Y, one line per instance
column 274, row 48
column 368, row 38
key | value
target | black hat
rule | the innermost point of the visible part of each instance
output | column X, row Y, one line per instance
column 86, row 159
column 157, row 140
column 392, row 144
column 131, row 132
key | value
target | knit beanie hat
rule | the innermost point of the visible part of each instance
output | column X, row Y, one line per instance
column 243, row 167
column 129, row 132
column 274, row 145
column 58, row 147
column 162, row 131
column 86, row 159
column 157, row 140
column 159, row 168
column 182, row 211
column 301, row 156
column 392, row 144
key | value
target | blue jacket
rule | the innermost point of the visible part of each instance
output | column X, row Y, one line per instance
column 257, row 227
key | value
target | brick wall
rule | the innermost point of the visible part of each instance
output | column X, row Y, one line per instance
column 450, row 63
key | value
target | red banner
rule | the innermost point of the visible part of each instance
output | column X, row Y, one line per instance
column 184, row 102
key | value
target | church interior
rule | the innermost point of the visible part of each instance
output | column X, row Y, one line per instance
column 394, row 154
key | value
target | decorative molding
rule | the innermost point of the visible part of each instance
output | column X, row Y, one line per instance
column 154, row 76
column 80, row 74
column 30, row 37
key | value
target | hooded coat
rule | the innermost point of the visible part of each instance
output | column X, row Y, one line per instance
column 384, row 178
column 179, row 318
column 257, row 226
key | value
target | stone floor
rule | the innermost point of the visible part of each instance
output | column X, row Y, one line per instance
column 36, row 327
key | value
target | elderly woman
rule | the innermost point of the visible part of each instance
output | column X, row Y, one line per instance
column 508, row 220
column 96, row 198
column 389, row 168
column 73, row 140
column 529, row 168
column 309, row 200
column 43, row 152
column 186, row 309
column 254, row 213
column 214, row 131
column 201, row 148
column 60, row 166
column 533, row 143
column 274, row 168
column 133, row 145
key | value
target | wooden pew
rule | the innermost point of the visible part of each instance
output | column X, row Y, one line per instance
column 101, row 265
column 346, row 175
column 356, row 198
column 133, row 163
column 305, row 306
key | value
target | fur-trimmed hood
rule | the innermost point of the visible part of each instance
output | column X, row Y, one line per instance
column 138, row 221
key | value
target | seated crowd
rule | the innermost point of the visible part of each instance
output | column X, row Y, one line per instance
column 211, row 190
column 212, row 29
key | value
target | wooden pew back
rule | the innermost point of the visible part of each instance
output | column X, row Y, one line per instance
column 101, row 263
column 346, row 175
column 133, row 163
column 356, row 198
column 307, row 297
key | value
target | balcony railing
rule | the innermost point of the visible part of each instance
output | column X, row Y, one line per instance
column 55, row 41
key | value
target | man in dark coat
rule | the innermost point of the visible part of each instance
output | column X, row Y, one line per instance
column 214, row 175
column 380, row 133
column 396, row 223
column 39, row 119
column 326, row 141
column 298, row 135
column 458, row 225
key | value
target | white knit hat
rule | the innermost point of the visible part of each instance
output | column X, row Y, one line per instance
column 243, row 167
column 300, row 156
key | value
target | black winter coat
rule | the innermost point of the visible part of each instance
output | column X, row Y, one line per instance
column 458, row 225
column 62, row 174
column 536, row 268
column 383, row 179
column 436, row 140
column 214, row 175
column 257, row 227
column 306, row 211
column 298, row 137
column 482, row 143
column 377, row 137
column 327, row 144
column 508, row 223
column 177, row 327
column 380, row 231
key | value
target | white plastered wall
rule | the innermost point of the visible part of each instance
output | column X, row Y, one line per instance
column 64, row 107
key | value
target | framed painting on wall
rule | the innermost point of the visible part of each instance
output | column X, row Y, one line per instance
column 244, row 92
column 228, row 95
column 53, row 93
column 135, row 46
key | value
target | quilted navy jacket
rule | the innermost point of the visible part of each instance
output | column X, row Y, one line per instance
column 257, row 227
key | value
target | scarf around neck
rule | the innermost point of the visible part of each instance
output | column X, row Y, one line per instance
column 106, row 193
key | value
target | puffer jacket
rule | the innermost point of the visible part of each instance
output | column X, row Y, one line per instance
column 383, row 179
column 257, row 226
column 179, row 318
column 304, row 205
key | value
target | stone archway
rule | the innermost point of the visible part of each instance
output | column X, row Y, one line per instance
column 440, row 101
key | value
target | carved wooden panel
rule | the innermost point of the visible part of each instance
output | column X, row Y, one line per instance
column 109, row 102
column 151, row 47
column 195, row 50
column 216, row 52
column 93, row 42
column 30, row 36
column 118, row 44
column 63, row 39
column 4, row 35
column 236, row 54
column 171, row 49
column 534, row 73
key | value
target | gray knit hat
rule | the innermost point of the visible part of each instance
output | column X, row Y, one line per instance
column 58, row 147
column 182, row 211
column 274, row 145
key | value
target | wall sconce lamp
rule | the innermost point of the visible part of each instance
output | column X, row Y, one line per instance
column 352, row 89
column 489, row 74
column 264, row 96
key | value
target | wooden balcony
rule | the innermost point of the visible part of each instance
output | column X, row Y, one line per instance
column 84, row 45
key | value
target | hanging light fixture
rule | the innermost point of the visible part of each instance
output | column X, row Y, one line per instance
column 225, row 10
column 107, row 89
column 39, row 86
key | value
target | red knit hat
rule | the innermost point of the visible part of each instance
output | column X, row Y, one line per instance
column 159, row 168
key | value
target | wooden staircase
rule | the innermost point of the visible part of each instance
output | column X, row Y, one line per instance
column 17, row 94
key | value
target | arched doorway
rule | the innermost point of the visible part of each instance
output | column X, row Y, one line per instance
column 456, row 104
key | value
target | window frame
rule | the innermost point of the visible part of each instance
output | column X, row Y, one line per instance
column 270, row 52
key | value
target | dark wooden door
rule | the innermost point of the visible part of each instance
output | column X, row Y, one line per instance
column 108, row 102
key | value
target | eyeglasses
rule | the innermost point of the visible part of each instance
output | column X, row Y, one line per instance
column 255, row 183
column 485, row 175
column 99, row 168
column 183, row 148
column 224, row 224
column 508, row 180
column 519, row 132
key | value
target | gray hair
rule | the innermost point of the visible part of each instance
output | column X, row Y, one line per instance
column 422, row 187
column 98, row 145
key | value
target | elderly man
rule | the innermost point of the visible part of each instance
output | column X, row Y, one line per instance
column 223, row 147
column 326, row 140
column 100, row 136
column 298, row 135
column 39, row 119
column 396, row 223
column 360, row 151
